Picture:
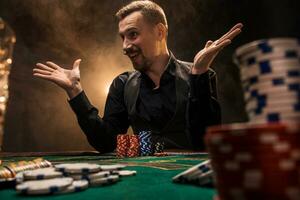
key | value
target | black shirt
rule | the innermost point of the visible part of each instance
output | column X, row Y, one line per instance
column 156, row 105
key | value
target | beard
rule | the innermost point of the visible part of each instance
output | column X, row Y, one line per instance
column 137, row 58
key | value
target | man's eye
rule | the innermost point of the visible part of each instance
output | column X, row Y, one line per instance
column 133, row 34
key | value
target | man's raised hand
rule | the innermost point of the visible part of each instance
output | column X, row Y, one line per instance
column 205, row 57
column 67, row 79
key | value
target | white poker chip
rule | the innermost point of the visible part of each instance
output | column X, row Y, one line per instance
column 19, row 177
column 76, row 186
column 104, row 181
column 112, row 167
column 78, row 168
column 47, row 186
column 90, row 176
column 125, row 172
column 42, row 173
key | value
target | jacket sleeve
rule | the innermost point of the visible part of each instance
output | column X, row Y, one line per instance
column 102, row 132
column 203, row 108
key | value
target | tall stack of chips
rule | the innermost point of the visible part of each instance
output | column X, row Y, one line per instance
column 255, row 161
column 270, row 75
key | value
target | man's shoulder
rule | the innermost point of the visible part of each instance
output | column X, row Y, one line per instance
column 121, row 79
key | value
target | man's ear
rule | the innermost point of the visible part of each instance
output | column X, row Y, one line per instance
column 162, row 31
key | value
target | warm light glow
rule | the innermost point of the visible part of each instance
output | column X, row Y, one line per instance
column 2, row 99
column 9, row 61
column 106, row 88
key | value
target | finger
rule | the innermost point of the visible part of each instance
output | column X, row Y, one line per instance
column 219, row 47
column 230, row 36
column 76, row 63
column 208, row 43
column 53, row 65
column 234, row 34
column 225, row 36
column 40, row 71
column 44, row 67
column 42, row 76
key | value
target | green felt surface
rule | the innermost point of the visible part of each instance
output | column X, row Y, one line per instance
column 153, row 179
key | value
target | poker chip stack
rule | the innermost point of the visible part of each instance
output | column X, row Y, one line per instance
column 270, row 75
column 259, row 161
column 95, row 174
column 200, row 174
column 127, row 146
column 134, row 146
column 122, row 145
column 146, row 147
column 68, row 177
column 9, row 171
column 142, row 144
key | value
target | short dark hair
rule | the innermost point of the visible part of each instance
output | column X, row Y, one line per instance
column 152, row 12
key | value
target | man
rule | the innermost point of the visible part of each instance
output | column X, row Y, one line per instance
column 175, row 100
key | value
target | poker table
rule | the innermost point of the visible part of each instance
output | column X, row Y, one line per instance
column 152, row 181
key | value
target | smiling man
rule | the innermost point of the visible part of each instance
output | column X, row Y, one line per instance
column 175, row 100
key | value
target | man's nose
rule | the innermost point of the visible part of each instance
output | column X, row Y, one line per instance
column 125, row 43
column 126, row 47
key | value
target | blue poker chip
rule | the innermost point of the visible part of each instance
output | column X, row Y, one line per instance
column 275, row 91
column 276, row 117
column 265, row 46
column 47, row 186
column 267, row 67
column 260, row 103
column 272, row 83
column 280, row 52
column 283, row 108
column 291, row 73
column 75, row 168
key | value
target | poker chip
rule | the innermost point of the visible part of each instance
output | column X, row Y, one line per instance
column 76, row 186
column 47, row 186
column 276, row 53
column 74, row 168
column 104, row 181
column 125, row 172
column 62, row 178
column 90, row 176
column 19, row 177
column 159, row 145
column 266, row 46
column 200, row 174
column 270, row 74
column 43, row 173
column 255, row 161
column 111, row 167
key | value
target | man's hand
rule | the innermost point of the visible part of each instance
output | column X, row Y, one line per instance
column 69, row 80
column 205, row 57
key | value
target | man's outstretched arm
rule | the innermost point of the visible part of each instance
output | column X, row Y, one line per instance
column 101, row 132
column 203, row 108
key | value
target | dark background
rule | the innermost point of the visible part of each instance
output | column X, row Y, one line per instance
column 38, row 116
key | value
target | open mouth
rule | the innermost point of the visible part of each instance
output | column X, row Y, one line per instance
column 133, row 55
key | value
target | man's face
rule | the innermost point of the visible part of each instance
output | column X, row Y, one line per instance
column 140, row 42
